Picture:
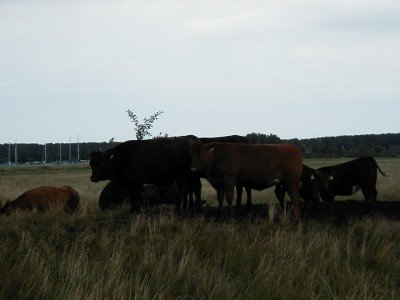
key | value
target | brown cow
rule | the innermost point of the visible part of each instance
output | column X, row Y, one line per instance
column 44, row 198
column 255, row 166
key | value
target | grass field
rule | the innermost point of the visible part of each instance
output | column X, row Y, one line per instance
column 160, row 254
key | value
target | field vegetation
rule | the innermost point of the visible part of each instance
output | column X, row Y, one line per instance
column 163, row 254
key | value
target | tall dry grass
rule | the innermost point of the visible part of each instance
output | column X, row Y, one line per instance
column 160, row 254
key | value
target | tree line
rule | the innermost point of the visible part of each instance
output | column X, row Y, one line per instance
column 376, row 145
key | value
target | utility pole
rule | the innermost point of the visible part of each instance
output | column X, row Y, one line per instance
column 45, row 154
column 15, row 153
column 78, row 149
column 69, row 152
column 9, row 153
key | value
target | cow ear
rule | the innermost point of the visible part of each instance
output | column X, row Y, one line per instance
column 212, row 146
column 108, row 154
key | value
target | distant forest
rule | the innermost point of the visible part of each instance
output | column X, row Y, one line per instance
column 376, row 145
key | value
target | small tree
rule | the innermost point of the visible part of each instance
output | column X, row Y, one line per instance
column 142, row 129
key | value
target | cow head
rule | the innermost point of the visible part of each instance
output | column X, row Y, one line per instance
column 327, row 178
column 313, row 184
column 318, row 183
column 201, row 155
column 100, row 164
column 6, row 208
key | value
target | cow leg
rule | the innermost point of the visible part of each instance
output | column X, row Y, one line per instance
column 197, row 194
column 185, row 199
column 280, row 192
column 248, row 194
column 190, row 199
column 365, row 192
column 239, row 192
column 374, row 194
column 198, row 201
column 229, row 198
column 294, row 197
column 220, row 196
column 369, row 193
column 183, row 188
column 135, row 195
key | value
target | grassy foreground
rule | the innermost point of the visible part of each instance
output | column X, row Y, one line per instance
column 160, row 254
column 156, row 254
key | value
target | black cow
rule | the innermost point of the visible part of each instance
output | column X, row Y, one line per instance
column 346, row 178
column 195, row 184
column 131, row 164
column 113, row 196
column 155, row 194
column 312, row 182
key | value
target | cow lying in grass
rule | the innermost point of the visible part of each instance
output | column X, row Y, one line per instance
column 113, row 196
column 43, row 199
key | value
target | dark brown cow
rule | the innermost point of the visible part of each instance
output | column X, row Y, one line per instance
column 255, row 166
column 43, row 199
column 132, row 164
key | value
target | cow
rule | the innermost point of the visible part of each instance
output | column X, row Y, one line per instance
column 113, row 196
column 347, row 178
column 195, row 184
column 131, row 164
column 311, row 184
column 44, row 198
column 164, row 194
column 255, row 166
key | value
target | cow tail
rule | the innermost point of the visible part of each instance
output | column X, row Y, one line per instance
column 376, row 164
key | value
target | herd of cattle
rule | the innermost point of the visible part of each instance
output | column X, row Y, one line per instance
column 175, row 166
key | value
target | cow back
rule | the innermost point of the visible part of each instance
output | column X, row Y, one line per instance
column 257, row 166
column 225, row 139
column 157, row 161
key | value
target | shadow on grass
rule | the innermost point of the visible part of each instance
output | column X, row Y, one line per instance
column 338, row 212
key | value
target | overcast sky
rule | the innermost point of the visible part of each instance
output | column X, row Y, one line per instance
column 292, row 68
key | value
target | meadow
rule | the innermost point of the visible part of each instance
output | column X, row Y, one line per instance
column 163, row 254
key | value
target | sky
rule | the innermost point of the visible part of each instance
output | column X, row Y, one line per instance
column 297, row 69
